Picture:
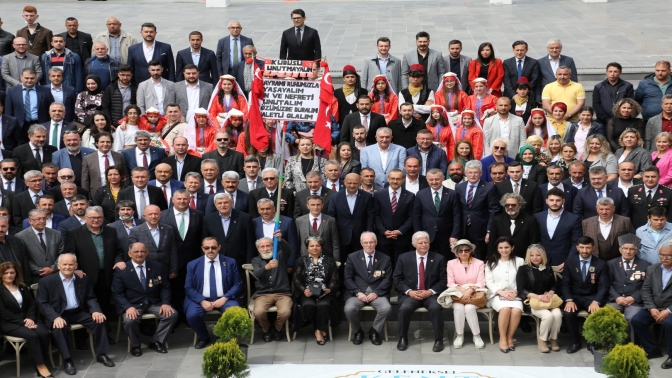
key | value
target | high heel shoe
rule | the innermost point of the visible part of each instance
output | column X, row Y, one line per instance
column 320, row 342
column 42, row 376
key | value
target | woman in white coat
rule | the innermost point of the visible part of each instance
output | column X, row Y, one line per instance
column 500, row 278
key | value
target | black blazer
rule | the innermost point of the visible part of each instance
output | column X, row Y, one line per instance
column 8, row 200
column 357, row 279
column 103, row 198
column 18, row 249
column 530, row 71
column 128, row 291
column 10, row 130
column 286, row 204
column 308, row 49
column 14, row 108
column 240, row 202
column 446, row 223
column 300, row 207
column 626, row 285
column 639, row 206
column 574, row 286
column 24, row 157
column 61, row 208
column 376, row 121
column 11, row 315
column 351, row 225
column 202, row 201
column 162, row 52
column 525, row 233
column 68, row 224
column 406, row 273
column 207, row 65
column 529, row 190
column 564, row 240
column 18, row 187
column 191, row 164
column 155, row 198
column 569, row 190
column 51, row 298
column 484, row 206
column 584, row 203
column 238, row 243
column 66, row 126
column 189, row 248
column 21, row 206
column 85, row 44
column 238, row 71
column 79, row 241
column 206, row 190
column 399, row 220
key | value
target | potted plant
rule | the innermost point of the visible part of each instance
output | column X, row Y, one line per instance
column 605, row 328
column 626, row 361
column 224, row 360
column 235, row 323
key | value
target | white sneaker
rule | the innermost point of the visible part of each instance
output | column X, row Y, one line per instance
column 478, row 342
column 459, row 340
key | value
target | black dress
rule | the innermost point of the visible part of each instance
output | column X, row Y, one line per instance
column 317, row 311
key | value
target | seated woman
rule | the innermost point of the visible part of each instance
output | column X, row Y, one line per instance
column 598, row 154
column 304, row 162
column 106, row 195
column 470, row 129
column 226, row 96
column 315, row 278
column 481, row 102
column 488, row 67
column 532, row 170
column 417, row 94
column 625, row 117
column 558, row 121
column 631, row 150
column 536, row 280
column 462, row 152
column 498, row 154
column 466, row 273
column 442, row 128
column 450, row 95
column 579, row 130
column 522, row 106
column 200, row 133
column 99, row 123
column 348, row 163
column 554, row 149
column 500, row 278
column 124, row 136
column 383, row 99
column 568, row 156
column 18, row 316
column 90, row 100
column 538, row 125
column 662, row 157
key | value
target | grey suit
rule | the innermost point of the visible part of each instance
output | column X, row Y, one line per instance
column 326, row 229
column 181, row 98
column 435, row 68
column 654, row 126
column 146, row 96
column 122, row 235
column 371, row 69
column 10, row 68
column 547, row 74
column 37, row 257
column 165, row 252
column 464, row 69
column 517, row 134
column 242, row 184
column 91, row 169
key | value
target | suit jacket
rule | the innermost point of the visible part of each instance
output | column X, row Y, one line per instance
column 14, row 107
column 620, row 226
column 24, row 157
column 546, row 74
column 205, row 187
column 654, row 295
column 386, row 220
column 286, row 202
column 639, row 205
column 446, row 222
column 156, row 154
column 207, row 65
column 393, row 71
column 517, row 133
column 20, row 256
column 308, row 49
column 42, row 39
column 80, row 242
column 55, row 221
column 17, row 187
column 570, row 193
column 434, row 72
column 10, row 130
column 174, row 185
column 564, row 239
column 352, row 224
column 122, row 236
column 525, row 233
column 586, row 198
column 179, row 92
column 529, row 190
column 91, row 169
column 357, row 278
column 52, row 301
column 224, row 52
column 484, row 207
column 71, row 222
column 242, row 184
column 155, row 198
column 21, row 205
column 627, row 285
column 128, row 291
column 530, row 71
column 376, row 121
column 162, row 52
column 66, row 126
column 238, row 242
column 165, row 252
column 369, row 156
column 436, row 158
column 69, row 99
column 595, row 287
column 289, row 234
column 85, row 43
column 326, row 229
column 10, row 69
column 464, row 70
column 406, row 273
column 62, row 157
column 188, row 248
column 232, row 285
column 301, row 197
column 202, row 201
column 238, row 71
column 191, row 164
column 37, row 257
column 146, row 96
column 241, row 202
column 11, row 313
column 7, row 197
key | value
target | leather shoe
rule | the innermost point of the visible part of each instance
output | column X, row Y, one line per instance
column 438, row 346
column 69, row 368
column 157, row 346
column 359, row 337
column 375, row 338
column 655, row 354
column 136, row 351
column 103, row 359
column 402, row 345
column 573, row 348
column 200, row 344
column 277, row 335
column 667, row 364
column 268, row 337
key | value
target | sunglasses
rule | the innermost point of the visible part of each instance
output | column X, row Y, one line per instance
column 67, row 177
column 269, row 178
column 464, row 251
column 222, row 139
column 9, row 169
column 498, row 148
column 208, row 248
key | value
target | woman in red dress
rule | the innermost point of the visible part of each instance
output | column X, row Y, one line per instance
column 226, row 96
column 488, row 67
column 450, row 95
column 470, row 129
column 481, row 102
column 200, row 133
column 442, row 129
column 383, row 99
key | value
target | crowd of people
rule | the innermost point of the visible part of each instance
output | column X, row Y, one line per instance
column 130, row 186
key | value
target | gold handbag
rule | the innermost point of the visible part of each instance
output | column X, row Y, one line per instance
column 536, row 304
column 477, row 299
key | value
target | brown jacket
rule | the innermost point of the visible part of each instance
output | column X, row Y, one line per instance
column 42, row 41
column 607, row 249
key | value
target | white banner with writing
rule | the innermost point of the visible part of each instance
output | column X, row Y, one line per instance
column 291, row 100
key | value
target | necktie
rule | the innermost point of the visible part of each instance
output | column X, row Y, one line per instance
column 213, row 282
column 394, row 202
column 165, row 195
column 254, row 184
column 421, row 273
column 212, row 190
column 313, row 193
column 584, row 269
column 513, row 225
column 38, row 157
column 192, row 203
column 233, row 201
column 54, row 135
column 143, row 279
column 144, row 160
column 333, row 187
column 365, row 122
column 369, row 265
column 270, row 195
column 315, row 224
column 515, row 188
column 437, row 201
column 44, row 246
column 36, row 198
column 470, row 199
column 181, row 228
column 235, row 51
column 520, row 68
column 298, row 36
column 141, row 203
column 27, row 106
column 599, row 193
column 649, row 196
column 627, row 267
column 9, row 185
column 107, row 162
column 70, row 208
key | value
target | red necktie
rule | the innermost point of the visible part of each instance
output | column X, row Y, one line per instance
column 192, row 203
column 212, row 191
column 333, row 187
column 394, row 202
column 165, row 195
column 144, row 160
column 107, row 162
column 421, row 273
column 315, row 224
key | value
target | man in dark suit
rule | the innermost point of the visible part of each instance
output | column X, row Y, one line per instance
column 230, row 185
column 210, row 184
column 479, row 206
column 643, row 197
column 197, row 199
column 124, row 225
column 585, row 285
column 14, row 104
column 159, row 238
column 88, row 243
column 187, row 162
column 10, row 181
column 251, row 180
column 245, row 68
column 78, row 204
column 315, row 223
column 227, row 46
column 315, row 188
column 80, row 307
column 559, row 230
column 626, row 177
column 270, row 190
column 518, row 185
column 554, row 173
column 55, row 137
column 419, row 277
column 515, row 224
column 30, row 156
column 164, row 181
column 206, row 61
column 46, row 203
column 414, row 181
column 234, row 228
column 614, row 225
column 64, row 94
column 300, row 42
column 367, row 280
column 227, row 159
column 162, row 53
column 353, row 210
column 393, row 208
column 10, row 129
column 141, row 194
column 547, row 70
column 77, row 41
column 25, row 201
column 142, row 155
column 6, row 201
column 576, row 175
column 657, row 297
column 139, row 288
column 14, row 250
column 598, row 188
column 518, row 66
column 437, row 211
column 371, row 121
column 332, row 169
column 264, row 226
column 436, row 157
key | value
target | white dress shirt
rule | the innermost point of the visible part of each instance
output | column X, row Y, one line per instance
column 137, row 270
column 319, row 221
column 218, row 277
column 560, row 186
column 50, row 134
column 148, row 51
column 504, row 129
column 333, row 185
column 193, row 98
column 554, row 64
column 33, row 147
column 368, row 119
column 101, row 165
column 138, row 157
column 251, row 183
column 383, row 157
column 159, row 92
column 137, row 198
column 412, row 186
column 44, row 235
column 625, row 187
column 169, row 190
column 605, row 228
column 268, row 227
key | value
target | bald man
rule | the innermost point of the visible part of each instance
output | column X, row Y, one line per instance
column 116, row 40
column 159, row 239
column 165, row 182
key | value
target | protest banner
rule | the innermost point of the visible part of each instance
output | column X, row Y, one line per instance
column 291, row 100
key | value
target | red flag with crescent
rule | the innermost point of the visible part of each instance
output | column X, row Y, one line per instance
column 322, row 134
column 258, row 134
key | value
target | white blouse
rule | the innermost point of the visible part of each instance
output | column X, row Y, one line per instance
column 18, row 296
column 503, row 277
column 124, row 138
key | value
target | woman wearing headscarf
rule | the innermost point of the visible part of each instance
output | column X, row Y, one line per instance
column 383, row 99
column 226, row 96
column 450, row 95
column 442, row 128
column 347, row 95
column 90, row 100
column 470, row 129
column 488, row 67
column 532, row 171
column 417, row 94
column 481, row 102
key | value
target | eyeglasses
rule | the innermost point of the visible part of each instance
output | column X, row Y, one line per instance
column 665, row 257
column 508, row 205
column 209, row 248
column 269, row 178
column 8, row 169
column 95, row 218
column 222, row 139
column 67, row 177
column 499, row 148
column 464, row 251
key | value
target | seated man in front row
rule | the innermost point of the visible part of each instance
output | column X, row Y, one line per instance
column 66, row 299
column 142, row 287
column 272, row 292
column 367, row 279
column 212, row 283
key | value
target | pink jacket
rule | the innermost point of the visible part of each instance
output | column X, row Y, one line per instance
column 474, row 274
column 665, row 167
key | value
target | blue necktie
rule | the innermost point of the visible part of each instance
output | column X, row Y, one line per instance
column 213, row 282
column 520, row 68
column 9, row 185
column 27, row 107
column 584, row 269
column 143, row 279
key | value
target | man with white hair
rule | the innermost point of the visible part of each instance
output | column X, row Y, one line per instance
column 43, row 245
column 550, row 63
column 102, row 65
column 384, row 156
column 230, row 181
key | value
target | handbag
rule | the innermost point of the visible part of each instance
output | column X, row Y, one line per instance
column 477, row 299
column 536, row 304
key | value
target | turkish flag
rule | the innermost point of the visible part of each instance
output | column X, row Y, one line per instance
column 322, row 133
column 258, row 133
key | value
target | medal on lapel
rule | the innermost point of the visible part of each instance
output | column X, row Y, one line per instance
column 592, row 278
column 151, row 283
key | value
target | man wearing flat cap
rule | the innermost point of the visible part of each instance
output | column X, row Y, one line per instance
column 627, row 273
